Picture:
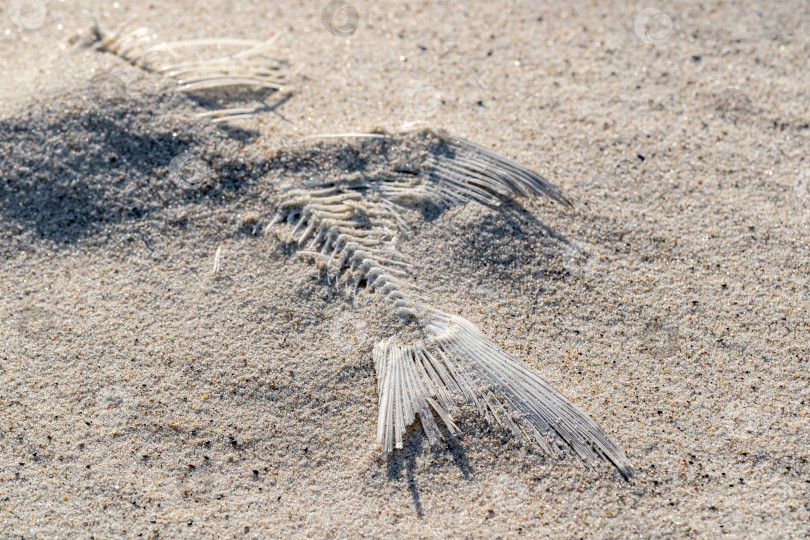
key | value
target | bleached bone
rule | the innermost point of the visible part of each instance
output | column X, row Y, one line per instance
column 247, row 68
column 455, row 365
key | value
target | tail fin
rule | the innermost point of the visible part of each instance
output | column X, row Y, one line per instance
column 460, row 365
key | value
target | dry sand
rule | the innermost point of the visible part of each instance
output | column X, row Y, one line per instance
column 144, row 396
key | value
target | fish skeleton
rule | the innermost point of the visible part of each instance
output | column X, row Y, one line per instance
column 351, row 224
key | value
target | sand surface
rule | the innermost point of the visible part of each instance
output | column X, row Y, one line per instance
column 144, row 395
